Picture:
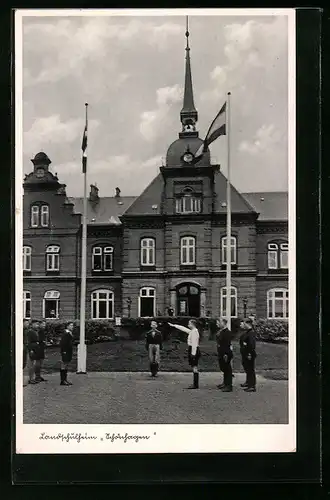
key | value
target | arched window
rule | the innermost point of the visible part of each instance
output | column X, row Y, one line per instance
column 148, row 252
column 26, row 305
column 188, row 203
column 278, row 255
column 51, row 305
column 188, row 250
column 233, row 250
column 147, row 302
column 53, row 258
column 233, row 302
column 27, row 253
column 102, row 258
column 278, row 303
column 102, row 302
column 39, row 215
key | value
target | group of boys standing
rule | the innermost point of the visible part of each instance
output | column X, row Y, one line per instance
column 224, row 338
column 34, row 343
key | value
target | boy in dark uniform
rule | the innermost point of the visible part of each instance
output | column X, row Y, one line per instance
column 248, row 352
column 66, row 347
column 26, row 325
column 41, row 354
column 225, row 355
column 154, row 342
column 33, row 350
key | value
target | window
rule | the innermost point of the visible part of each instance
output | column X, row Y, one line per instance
column 44, row 215
column 278, row 255
column 233, row 251
column 102, row 304
column 188, row 244
column 26, row 305
column 40, row 215
column 284, row 256
column 278, row 303
column 51, row 304
column 35, row 216
column 102, row 259
column 147, row 302
column 147, row 252
column 188, row 203
column 233, row 302
column 27, row 252
column 53, row 258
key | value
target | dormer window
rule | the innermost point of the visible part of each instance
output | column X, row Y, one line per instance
column 39, row 215
column 188, row 202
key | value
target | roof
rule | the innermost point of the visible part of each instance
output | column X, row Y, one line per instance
column 106, row 211
column 149, row 202
column 272, row 206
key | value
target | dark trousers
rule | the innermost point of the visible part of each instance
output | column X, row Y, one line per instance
column 225, row 367
column 249, row 368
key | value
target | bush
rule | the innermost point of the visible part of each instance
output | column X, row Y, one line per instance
column 270, row 330
column 95, row 331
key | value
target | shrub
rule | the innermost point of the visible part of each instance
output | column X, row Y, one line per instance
column 270, row 330
column 95, row 331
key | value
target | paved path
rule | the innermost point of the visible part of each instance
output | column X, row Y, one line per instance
column 127, row 398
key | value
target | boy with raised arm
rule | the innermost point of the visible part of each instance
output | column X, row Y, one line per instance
column 193, row 348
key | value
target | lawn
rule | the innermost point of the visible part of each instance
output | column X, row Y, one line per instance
column 131, row 355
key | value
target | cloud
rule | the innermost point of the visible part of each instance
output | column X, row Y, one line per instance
column 71, row 47
column 153, row 122
column 50, row 130
column 264, row 140
column 249, row 46
column 111, row 172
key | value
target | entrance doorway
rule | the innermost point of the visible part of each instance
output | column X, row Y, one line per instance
column 188, row 300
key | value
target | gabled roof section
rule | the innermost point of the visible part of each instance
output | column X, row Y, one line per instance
column 149, row 201
column 105, row 210
column 239, row 204
column 272, row 206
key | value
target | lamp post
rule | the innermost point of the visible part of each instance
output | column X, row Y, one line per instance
column 245, row 301
column 129, row 303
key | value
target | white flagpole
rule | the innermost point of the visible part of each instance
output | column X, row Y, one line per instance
column 82, row 350
column 228, row 267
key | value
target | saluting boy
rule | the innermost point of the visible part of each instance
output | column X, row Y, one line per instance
column 193, row 348
column 154, row 343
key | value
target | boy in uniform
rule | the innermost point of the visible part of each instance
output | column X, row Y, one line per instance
column 41, row 356
column 225, row 355
column 154, row 342
column 248, row 352
column 66, row 347
column 33, row 350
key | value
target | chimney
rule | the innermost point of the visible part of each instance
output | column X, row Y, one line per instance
column 117, row 192
column 94, row 193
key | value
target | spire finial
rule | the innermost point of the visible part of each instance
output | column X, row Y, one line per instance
column 187, row 32
column 188, row 113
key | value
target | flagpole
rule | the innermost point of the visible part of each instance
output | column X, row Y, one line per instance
column 82, row 350
column 228, row 267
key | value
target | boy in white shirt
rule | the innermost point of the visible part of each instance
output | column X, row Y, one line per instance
column 193, row 348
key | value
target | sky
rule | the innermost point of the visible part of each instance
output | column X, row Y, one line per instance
column 130, row 69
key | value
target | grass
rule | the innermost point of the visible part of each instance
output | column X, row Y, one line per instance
column 131, row 355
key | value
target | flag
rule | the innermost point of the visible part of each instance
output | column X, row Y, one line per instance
column 84, row 148
column 217, row 128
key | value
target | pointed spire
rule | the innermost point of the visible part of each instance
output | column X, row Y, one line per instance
column 188, row 115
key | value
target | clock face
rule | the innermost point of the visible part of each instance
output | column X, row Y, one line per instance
column 40, row 172
column 188, row 157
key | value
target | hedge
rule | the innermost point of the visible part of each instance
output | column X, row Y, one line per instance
column 135, row 329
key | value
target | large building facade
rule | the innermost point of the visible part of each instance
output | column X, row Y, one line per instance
column 163, row 250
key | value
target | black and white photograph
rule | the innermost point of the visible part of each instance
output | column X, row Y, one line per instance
column 155, row 230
